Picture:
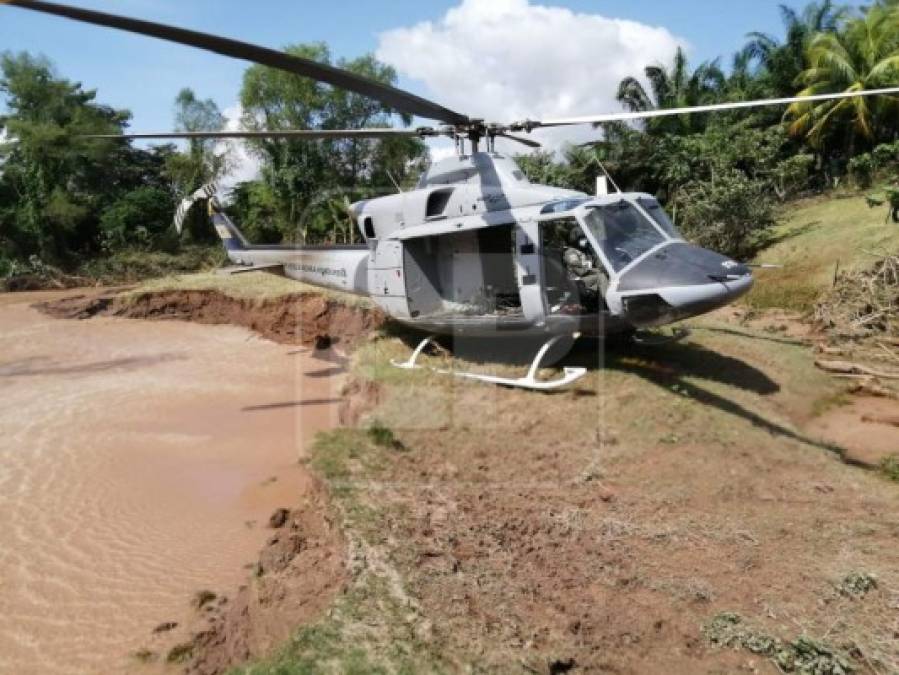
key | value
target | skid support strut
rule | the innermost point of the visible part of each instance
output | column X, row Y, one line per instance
column 529, row 381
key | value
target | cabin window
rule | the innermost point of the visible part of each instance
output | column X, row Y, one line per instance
column 657, row 213
column 369, row 226
column 575, row 280
column 622, row 232
column 437, row 202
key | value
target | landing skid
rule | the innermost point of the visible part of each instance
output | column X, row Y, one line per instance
column 529, row 381
column 653, row 339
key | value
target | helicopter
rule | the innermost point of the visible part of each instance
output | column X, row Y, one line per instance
column 476, row 249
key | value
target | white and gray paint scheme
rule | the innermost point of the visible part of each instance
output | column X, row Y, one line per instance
column 464, row 252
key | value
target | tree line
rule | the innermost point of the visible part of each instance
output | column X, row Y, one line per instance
column 722, row 174
column 77, row 204
column 69, row 202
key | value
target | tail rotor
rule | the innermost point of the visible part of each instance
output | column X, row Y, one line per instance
column 207, row 192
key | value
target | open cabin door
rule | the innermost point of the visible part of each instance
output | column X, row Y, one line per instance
column 386, row 281
column 529, row 270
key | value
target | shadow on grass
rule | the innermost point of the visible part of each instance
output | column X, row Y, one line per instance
column 665, row 366
column 751, row 336
column 662, row 374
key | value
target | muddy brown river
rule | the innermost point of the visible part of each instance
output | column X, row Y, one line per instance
column 139, row 463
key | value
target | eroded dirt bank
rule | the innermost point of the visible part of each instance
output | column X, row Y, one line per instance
column 141, row 462
column 307, row 319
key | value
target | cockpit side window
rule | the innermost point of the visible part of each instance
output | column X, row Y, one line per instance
column 622, row 232
column 657, row 213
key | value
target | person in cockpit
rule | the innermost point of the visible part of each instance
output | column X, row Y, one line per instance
column 580, row 265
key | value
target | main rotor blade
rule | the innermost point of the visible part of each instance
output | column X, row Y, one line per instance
column 398, row 99
column 717, row 107
column 306, row 134
column 518, row 139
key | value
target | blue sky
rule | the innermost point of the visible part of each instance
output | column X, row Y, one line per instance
column 144, row 75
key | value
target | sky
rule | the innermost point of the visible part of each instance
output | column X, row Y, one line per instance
column 500, row 59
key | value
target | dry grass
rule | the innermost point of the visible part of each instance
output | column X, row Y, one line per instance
column 254, row 285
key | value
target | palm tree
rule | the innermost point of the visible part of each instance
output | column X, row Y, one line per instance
column 782, row 62
column 674, row 87
column 864, row 55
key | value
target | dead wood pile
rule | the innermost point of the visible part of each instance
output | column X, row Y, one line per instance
column 863, row 303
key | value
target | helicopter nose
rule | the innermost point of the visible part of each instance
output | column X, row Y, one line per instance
column 680, row 281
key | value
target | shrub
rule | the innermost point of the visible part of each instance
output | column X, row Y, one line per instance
column 383, row 436
column 886, row 155
column 135, row 265
column 727, row 214
column 861, row 168
column 139, row 219
column 791, row 176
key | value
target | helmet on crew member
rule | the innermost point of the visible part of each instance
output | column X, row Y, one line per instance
column 576, row 238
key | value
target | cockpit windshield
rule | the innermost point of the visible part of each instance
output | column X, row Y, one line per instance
column 622, row 232
column 657, row 213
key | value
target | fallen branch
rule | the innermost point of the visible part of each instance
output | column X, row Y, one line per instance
column 870, row 389
column 829, row 351
column 849, row 368
column 892, row 420
column 888, row 351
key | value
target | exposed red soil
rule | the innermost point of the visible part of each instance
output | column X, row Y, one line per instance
column 527, row 545
column 866, row 427
column 297, row 575
column 300, row 318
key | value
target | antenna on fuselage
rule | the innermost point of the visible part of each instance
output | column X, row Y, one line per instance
column 601, row 187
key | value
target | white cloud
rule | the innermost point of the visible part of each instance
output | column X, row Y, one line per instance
column 506, row 60
column 246, row 166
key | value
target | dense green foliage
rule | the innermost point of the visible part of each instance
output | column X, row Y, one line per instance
column 104, row 207
column 721, row 175
column 76, row 204
column 303, row 181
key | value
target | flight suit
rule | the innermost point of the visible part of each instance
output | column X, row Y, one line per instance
column 579, row 264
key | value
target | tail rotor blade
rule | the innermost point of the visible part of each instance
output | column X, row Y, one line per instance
column 205, row 192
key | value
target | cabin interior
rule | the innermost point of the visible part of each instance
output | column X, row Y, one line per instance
column 462, row 273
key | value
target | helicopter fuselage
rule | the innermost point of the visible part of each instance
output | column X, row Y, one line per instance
column 476, row 249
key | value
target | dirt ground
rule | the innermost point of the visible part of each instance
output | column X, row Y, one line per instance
column 601, row 529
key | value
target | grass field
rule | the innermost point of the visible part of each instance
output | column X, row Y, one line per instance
column 813, row 237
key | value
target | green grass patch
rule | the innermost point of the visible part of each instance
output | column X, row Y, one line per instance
column 383, row 436
column 811, row 239
column 180, row 653
column 858, row 584
column 890, row 467
column 368, row 631
column 144, row 655
column 802, row 655
column 831, row 401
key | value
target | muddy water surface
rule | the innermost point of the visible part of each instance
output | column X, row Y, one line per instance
column 139, row 462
